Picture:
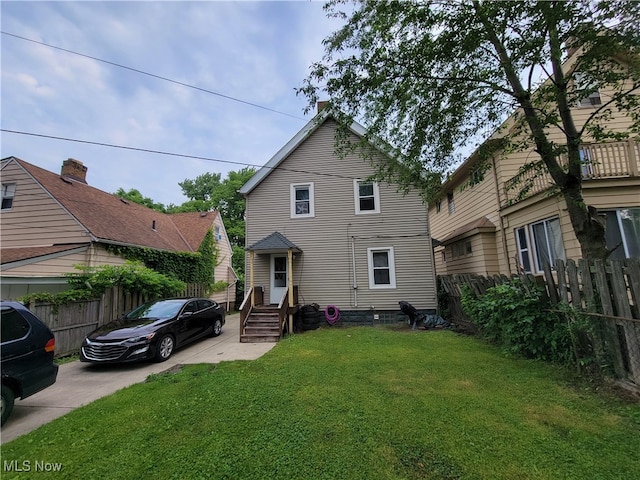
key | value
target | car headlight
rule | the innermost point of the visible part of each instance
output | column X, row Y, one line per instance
column 142, row 338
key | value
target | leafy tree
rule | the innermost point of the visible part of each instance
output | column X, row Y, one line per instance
column 232, row 205
column 202, row 188
column 135, row 196
column 431, row 76
column 206, row 192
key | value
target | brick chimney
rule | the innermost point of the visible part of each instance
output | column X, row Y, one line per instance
column 322, row 105
column 74, row 169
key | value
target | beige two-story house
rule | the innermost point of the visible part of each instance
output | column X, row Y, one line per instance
column 51, row 222
column 315, row 219
column 485, row 226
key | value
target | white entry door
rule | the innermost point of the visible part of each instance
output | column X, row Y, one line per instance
column 278, row 278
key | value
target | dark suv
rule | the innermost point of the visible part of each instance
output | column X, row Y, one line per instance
column 27, row 347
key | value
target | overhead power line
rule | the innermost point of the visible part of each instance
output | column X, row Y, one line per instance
column 142, row 72
column 173, row 154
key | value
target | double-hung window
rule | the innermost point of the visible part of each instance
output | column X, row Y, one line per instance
column 8, row 192
column 302, row 202
column 547, row 242
column 451, row 204
column 366, row 196
column 539, row 243
column 589, row 92
column 382, row 271
column 524, row 254
column 623, row 233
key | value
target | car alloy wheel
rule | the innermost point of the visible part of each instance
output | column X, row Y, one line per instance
column 217, row 328
column 164, row 348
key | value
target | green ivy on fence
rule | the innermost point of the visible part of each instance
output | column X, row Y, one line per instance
column 154, row 273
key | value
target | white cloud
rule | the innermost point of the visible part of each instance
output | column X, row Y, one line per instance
column 255, row 51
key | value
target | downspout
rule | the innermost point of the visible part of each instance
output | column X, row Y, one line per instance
column 355, row 279
column 228, row 289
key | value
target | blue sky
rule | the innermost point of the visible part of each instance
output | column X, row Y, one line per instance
column 258, row 52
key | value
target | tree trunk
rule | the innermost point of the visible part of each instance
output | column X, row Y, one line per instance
column 588, row 227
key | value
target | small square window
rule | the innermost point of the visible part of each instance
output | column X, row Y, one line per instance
column 8, row 192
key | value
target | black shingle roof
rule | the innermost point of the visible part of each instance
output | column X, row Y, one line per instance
column 274, row 242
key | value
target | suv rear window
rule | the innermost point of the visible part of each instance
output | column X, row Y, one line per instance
column 14, row 326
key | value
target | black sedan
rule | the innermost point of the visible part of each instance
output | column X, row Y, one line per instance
column 153, row 331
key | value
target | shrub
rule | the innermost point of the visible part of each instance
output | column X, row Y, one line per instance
column 132, row 277
column 521, row 321
column 91, row 282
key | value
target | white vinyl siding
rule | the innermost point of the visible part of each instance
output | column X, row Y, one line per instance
column 334, row 243
column 302, row 200
column 366, row 197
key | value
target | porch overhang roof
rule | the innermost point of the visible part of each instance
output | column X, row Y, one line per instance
column 274, row 243
column 481, row 225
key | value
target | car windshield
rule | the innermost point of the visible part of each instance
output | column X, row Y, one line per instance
column 163, row 309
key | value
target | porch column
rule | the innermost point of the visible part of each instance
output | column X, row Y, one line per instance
column 633, row 161
column 290, row 282
column 251, row 258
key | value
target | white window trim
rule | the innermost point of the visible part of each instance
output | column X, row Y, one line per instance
column 534, row 245
column 526, row 251
column 356, row 197
column 292, row 196
column 392, row 267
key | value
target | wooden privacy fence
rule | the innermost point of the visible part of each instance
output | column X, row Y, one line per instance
column 606, row 292
column 70, row 323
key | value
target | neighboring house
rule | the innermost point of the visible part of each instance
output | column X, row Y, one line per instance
column 194, row 226
column 51, row 222
column 483, row 228
column 314, row 220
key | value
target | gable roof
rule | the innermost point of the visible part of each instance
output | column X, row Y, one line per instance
column 194, row 226
column 275, row 242
column 292, row 144
column 480, row 225
column 110, row 219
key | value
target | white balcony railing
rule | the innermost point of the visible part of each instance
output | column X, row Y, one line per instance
column 599, row 160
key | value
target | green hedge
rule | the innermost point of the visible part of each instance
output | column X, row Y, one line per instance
column 521, row 321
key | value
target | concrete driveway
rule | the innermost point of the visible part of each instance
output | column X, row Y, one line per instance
column 81, row 383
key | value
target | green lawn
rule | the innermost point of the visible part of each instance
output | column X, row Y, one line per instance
column 348, row 403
